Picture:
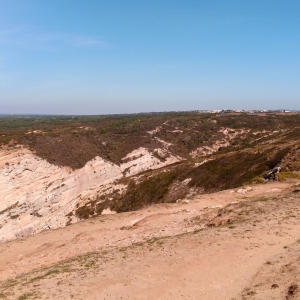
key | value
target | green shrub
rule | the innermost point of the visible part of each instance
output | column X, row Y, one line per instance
column 152, row 190
column 283, row 176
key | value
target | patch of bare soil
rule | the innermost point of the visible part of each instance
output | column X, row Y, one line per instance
column 226, row 245
column 278, row 278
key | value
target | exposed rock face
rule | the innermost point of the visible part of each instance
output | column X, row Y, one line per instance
column 36, row 195
column 141, row 160
column 228, row 134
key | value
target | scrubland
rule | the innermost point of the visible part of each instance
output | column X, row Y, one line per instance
column 190, row 215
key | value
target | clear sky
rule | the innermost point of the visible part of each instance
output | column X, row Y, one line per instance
column 122, row 56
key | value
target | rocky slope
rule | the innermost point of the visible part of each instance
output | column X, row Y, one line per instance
column 57, row 171
column 235, row 244
column 36, row 195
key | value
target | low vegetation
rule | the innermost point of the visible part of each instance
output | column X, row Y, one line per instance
column 241, row 148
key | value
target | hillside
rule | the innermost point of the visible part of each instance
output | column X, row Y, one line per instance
column 119, row 204
column 234, row 244
column 56, row 171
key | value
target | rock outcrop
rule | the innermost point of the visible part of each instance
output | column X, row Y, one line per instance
column 36, row 195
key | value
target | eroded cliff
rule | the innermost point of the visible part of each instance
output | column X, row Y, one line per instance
column 36, row 195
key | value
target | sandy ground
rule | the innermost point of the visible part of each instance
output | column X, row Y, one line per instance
column 226, row 245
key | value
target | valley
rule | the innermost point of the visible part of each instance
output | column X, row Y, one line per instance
column 122, row 203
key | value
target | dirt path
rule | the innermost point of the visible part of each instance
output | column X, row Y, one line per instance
column 210, row 248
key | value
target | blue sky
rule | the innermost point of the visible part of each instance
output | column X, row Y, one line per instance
column 123, row 56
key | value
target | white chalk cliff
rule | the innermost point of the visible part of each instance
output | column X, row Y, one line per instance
column 36, row 195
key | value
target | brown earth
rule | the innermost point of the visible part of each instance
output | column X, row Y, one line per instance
column 73, row 141
column 241, row 244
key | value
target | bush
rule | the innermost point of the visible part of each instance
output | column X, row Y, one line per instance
column 283, row 176
column 152, row 190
